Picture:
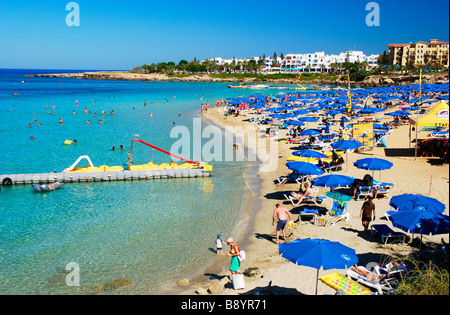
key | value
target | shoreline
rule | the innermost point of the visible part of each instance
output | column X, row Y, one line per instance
column 218, row 267
column 261, row 250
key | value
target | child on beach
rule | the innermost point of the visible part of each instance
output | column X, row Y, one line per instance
column 219, row 244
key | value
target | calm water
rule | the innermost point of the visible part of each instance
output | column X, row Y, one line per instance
column 147, row 232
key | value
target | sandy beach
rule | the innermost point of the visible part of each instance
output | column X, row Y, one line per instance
column 410, row 175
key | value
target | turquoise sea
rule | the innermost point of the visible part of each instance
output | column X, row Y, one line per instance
column 147, row 232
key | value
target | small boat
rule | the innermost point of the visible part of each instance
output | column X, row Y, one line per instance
column 258, row 87
column 46, row 188
column 237, row 86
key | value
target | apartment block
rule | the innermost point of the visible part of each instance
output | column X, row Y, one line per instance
column 419, row 54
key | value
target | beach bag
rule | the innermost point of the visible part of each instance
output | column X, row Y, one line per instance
column 238, row 281
column 241, row 256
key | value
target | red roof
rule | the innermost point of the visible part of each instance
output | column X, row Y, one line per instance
column 397, row 45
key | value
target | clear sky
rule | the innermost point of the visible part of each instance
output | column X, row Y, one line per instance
column 121, row 34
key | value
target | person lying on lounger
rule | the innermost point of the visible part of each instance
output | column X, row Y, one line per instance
column 370, row 276
column 308, row 193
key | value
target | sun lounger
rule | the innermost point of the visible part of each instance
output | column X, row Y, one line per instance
column 378, row 286
column 386, row 232
column 364, row 191
column 316, row 200
column 308, row 212
column 327, row 221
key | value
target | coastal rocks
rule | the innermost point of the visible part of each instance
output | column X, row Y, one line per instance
column 110, row 286
column 217, row 286
column 252, row 272
column 183, row 282
column 339, row 79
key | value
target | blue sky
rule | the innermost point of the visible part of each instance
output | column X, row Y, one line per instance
column 118, row 34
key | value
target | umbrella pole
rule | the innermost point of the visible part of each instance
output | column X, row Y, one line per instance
column 317, row 280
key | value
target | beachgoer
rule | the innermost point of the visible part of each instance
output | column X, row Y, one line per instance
column 367, row 211
column 307, row 193
column 219, row 244
column 114, row 148
column 201, row 108
column 282, row 215
column 61, row 121
column 130, row 159
column 52, row 186
column 234, row 254
column 322, row 164
column 366, row 181
column 370, row 276
column 121, row 147
column 75, row 141
column 334, row 156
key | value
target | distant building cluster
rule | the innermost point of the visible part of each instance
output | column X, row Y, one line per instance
column 419, row 54
column 298, row 63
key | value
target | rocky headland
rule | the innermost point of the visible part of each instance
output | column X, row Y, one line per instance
column 370, row 81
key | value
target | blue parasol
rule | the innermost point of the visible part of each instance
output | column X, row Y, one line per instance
column 304, row 168
column 414, row 201
column 318, row 253
column 332, row 180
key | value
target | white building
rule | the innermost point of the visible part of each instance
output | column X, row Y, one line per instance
column 314, row 62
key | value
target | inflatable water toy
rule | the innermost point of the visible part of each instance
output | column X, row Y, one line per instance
column 68, row 142
column 46, row 187
column 337, row 281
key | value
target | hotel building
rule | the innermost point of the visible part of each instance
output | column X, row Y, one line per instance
column 419, row 54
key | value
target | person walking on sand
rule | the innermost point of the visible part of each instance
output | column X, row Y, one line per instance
column 282, row 215
column 367, row 210
column 234, row 254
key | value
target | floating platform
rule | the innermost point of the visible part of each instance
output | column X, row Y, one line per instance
column 77, row 177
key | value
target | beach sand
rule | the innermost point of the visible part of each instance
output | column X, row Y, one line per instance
column 257, row 235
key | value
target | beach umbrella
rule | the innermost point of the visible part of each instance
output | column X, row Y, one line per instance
column 421, row 221
column 346, row 145
column 300, row 112
column 309, row 132
column 308, row 119
column 318, row 253
column 327, row 128
column 304, row 168
column 342, row 122
column 332, row 181
column 379, row 126
column 415, row 201
column 294, row 123
column 373, row 164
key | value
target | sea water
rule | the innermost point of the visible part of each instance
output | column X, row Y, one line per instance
column 145, row 232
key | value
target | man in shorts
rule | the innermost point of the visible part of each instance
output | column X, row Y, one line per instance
column 367, row 211
column 282, row 215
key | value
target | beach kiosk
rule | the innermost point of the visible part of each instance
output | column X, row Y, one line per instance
column 436, row 117
column 364, row 134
